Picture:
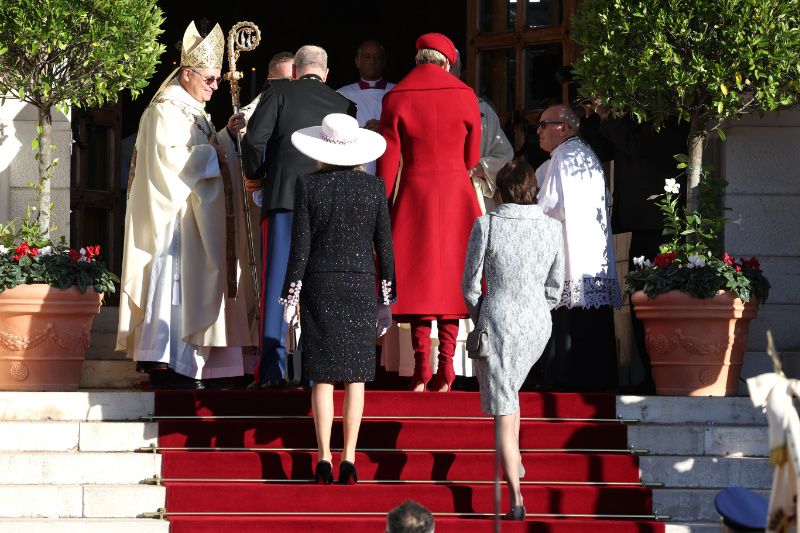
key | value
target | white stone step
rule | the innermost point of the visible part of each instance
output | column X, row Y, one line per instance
column 692, row 527
column 696, row 439
column 688, row 504
column 82, row 405
column 117, row 436
column 735, row 410
column 680, row 471
column 79, row 501
column 72, row 436
column 78, row 468
column 84, row 525
column 122, row 501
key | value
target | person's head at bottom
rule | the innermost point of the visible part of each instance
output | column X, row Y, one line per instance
column 409, row 517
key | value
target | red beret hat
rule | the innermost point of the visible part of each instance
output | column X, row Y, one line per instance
column 440, row 43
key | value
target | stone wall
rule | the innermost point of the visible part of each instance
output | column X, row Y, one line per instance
column 18, row 166
column 761, row 162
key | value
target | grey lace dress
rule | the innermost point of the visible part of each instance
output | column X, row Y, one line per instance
column 522, row 261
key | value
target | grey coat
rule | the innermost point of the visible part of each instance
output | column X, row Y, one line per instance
column 524, row 270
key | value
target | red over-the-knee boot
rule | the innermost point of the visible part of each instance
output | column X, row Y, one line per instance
column 421, row 342
column 445, row 374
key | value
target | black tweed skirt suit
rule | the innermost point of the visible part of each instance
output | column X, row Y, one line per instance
column 341, row 266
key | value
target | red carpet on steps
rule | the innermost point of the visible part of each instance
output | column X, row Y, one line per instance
column 434, row 448
column 390, row 465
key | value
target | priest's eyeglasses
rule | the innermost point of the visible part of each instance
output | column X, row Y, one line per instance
column 210, row 80
column 543, row 124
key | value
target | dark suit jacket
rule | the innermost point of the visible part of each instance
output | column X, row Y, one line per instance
column 267, row 150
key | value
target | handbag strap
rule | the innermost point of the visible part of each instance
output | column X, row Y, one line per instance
column 486, row 254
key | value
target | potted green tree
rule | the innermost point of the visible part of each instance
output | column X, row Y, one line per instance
column 703, row 62
column 57, row 54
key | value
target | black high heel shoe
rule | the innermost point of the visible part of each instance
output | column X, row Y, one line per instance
column 347, row 473
column 323, row 473
column 517, row 513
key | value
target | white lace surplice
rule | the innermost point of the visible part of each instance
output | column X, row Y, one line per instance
column 572, row 189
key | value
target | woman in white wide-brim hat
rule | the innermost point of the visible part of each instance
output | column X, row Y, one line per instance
column 340, row 213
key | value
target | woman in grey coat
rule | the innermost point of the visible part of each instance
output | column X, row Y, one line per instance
column 520, row 252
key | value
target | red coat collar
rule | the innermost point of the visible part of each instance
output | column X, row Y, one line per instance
column 429, row 77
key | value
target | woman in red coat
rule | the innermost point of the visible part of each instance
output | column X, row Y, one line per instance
column 431, row 120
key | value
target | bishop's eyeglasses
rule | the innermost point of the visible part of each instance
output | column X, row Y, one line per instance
column 208, row 79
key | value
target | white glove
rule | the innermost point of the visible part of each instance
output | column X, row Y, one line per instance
column 290, row 313
column 257, row 197
column 384, row 319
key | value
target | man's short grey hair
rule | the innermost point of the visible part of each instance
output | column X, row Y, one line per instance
column 568, row 116
column 429, row 55
column 310, row 57
column 409, row 517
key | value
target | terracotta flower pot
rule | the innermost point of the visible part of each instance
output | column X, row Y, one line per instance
column 696, row 345
column 44, row 334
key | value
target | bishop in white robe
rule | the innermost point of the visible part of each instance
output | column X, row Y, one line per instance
column 176, row 303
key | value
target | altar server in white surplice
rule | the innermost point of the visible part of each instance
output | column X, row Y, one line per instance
column 367, row 93
column 572, row 189
column 187, row 301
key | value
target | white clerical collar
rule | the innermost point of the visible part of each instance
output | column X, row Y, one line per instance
column 380, row 83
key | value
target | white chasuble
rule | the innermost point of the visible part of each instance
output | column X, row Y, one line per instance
column 173, row 303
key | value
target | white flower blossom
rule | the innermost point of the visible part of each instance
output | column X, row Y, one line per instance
column 47, row 250
column 696, row 261
column 671, row 185
column 83, row 251
column 3, row 249
column 647, row 263
column 641, row 262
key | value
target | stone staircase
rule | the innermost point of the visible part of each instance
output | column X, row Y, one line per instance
column 68, row 459
column 697, row 446
column 68, row 464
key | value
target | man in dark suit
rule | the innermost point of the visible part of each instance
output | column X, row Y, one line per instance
column 273, row 164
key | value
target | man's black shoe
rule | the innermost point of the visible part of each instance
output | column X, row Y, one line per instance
column 145, row 367
column 222, row 383
column 170, row 380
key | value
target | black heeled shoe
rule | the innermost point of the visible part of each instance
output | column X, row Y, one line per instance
column 347, row 473
column 323, row 473
column 517, row 513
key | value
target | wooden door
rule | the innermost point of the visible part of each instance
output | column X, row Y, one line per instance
column 96, row 197
column 515, row 48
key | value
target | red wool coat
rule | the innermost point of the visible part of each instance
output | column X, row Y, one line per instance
column 432, row 120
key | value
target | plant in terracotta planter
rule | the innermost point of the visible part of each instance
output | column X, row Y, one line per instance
column 49, row 295
column 61, row 53
column 696, row 305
